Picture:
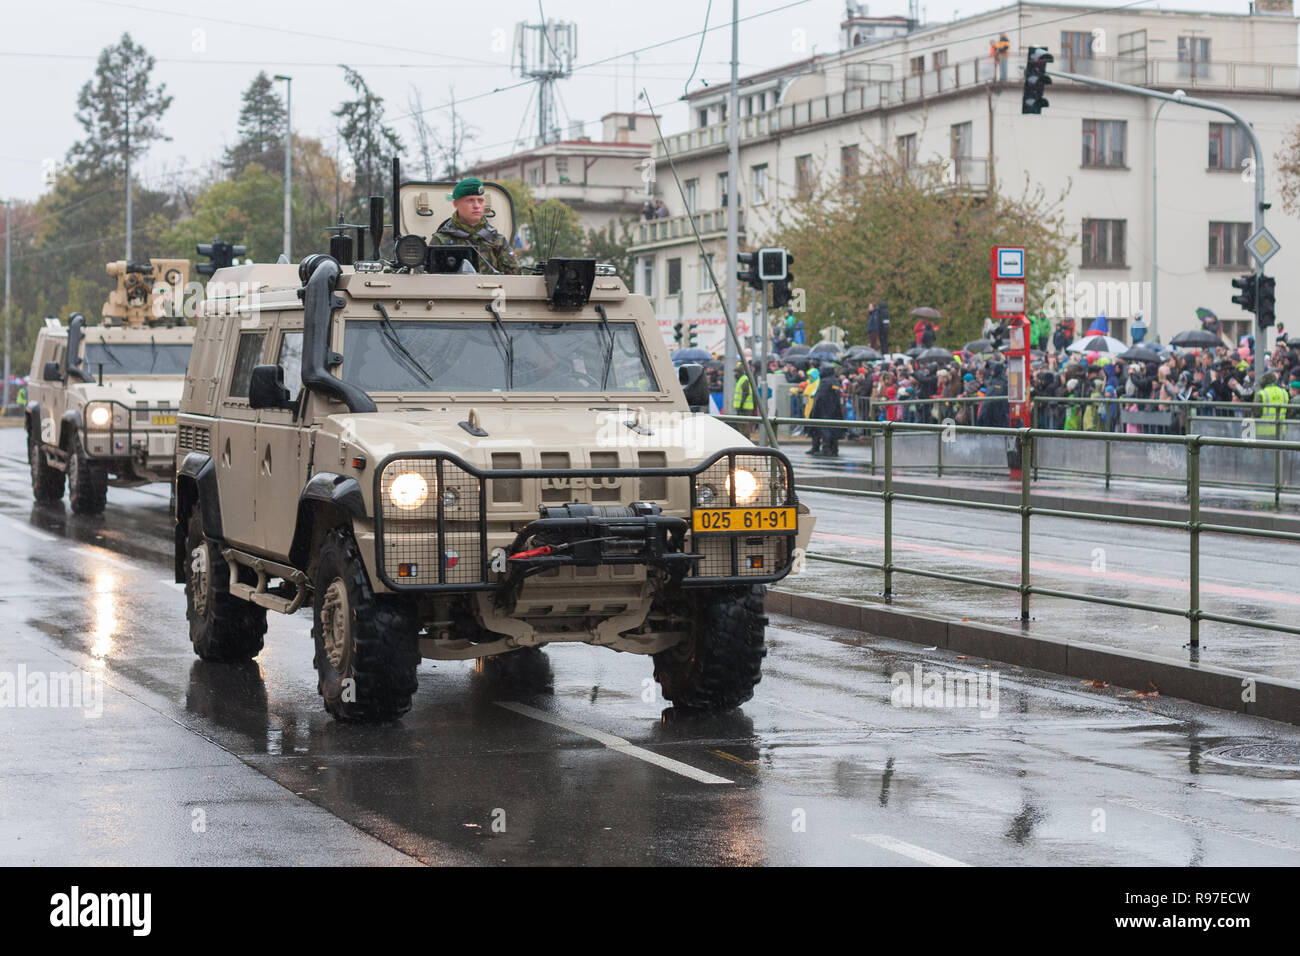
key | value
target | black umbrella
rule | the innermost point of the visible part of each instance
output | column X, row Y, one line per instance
column 914, row 351
column 796, row 350
column 1140, row 353
column 934, row 354
column 827, row 347
column 979, row 345
column 1196, row 339
column 925, row 312
column 861, row 353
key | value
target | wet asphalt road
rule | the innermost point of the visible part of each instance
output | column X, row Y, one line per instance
column 209, row 764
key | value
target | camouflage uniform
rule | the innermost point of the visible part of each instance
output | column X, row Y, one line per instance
column 491, row 246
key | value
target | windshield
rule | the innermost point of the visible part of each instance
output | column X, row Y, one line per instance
column 471, row 357
column 137, row 358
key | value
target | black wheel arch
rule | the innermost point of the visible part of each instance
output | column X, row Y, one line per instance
column 326, row 500
column 196, row 486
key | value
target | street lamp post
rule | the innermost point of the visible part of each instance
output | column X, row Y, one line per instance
column 1155, row 249
column 288, row 165
column 5, row 399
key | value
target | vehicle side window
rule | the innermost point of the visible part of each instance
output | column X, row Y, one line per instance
column 291, row 361
column 248, row 357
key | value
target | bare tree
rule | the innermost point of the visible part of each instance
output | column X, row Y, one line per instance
column 451, row 147
column 424, row 133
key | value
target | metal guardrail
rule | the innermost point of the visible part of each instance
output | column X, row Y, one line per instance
column 1025, row 439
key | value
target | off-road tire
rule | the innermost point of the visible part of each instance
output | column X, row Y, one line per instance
column 47, row 481
column 367, row 651
column 524, row 669
column 87, row 481
column 223, row 628
column 718, row 665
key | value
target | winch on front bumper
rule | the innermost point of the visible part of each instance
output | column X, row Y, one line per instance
column 442, row 524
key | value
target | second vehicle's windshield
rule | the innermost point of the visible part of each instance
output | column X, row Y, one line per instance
column 136, row 358
column 472, row 357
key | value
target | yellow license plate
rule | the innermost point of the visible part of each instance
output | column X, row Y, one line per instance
column 163, row 420
column 744, row 519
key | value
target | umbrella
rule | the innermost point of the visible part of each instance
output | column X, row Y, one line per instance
column 914, row 351
column 1098, row 343
column 861, row 353
column 1140, row 353
column 795, row 350
column 934, row 354
column 827, row 347
column 1196, row 339
column 694, row 354
column 979, row 345
column 925, row 312
column 1203, row 313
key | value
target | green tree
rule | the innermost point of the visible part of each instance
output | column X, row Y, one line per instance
column 911, row 238
column 246, row 210
column 371, row 144
column 611, row 245
column 118, row 110
column 547, row 229
column 261, row 129
column 1288, row 171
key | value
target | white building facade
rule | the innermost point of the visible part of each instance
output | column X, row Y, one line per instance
column 933, row 95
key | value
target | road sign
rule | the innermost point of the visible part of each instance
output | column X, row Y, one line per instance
column 1008, row 298
column 1009, row 262
column 1262, row 246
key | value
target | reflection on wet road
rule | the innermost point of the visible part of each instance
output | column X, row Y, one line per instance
column 856, row 750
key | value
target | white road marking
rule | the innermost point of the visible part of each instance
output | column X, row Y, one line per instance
column 615, row 743
column 920, row 853
column 1263, row 839
column 27, row 530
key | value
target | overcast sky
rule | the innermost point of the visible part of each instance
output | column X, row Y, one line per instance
column 208, row 52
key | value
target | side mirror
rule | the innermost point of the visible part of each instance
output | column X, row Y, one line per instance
column 695, row 383
column 53, row 372
column 266, row 388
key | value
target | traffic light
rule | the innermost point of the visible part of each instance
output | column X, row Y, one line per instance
column 748, row 271
column 1036, row 79
column 772, row 264
column 781, row 288
column 1266, row 302
column 221, row 255
column 1246, row 299
column 693, row 338
column 677, row 334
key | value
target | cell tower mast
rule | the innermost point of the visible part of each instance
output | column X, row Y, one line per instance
column 544, row 52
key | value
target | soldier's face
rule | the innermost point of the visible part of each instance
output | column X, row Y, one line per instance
column 470, row 209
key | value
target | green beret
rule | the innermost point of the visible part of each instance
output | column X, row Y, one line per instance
column 467, row 187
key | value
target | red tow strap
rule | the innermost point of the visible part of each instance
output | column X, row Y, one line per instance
column 534, row 553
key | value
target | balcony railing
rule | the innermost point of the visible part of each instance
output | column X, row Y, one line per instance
column 866, row 96
column 709, row 222
column 959, row 172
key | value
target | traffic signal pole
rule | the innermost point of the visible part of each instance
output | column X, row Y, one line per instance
column 1245, row 127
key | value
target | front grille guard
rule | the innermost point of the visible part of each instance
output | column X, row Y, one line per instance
column 499, row 577
column 131, row 430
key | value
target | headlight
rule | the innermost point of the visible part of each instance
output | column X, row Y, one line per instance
column 746, row 486
column 99, row 416
column 705, row 495
column 408, row 490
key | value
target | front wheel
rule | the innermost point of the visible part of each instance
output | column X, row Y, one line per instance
column 47, row 481
column 222, row 627
column 87, row 481
column 367, row 652
column 719, row 664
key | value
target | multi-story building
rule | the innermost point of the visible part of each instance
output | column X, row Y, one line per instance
column 933, row 95
column 603, row 181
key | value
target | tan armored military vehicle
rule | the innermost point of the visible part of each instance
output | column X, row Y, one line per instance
column 102, row 399
column 453, row 465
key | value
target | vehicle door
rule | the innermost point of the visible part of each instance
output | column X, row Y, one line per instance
column 235, row 443
column 280, row 471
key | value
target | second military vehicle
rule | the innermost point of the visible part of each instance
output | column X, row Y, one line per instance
column 449, row 464
column 102, row 399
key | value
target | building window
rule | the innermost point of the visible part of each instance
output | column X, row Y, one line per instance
column 758, row 178
column 722, row 190
column 939, row 59
column 702, row 117
column 1228, row 245
column 674, row 276
column 962, row 134
column 1228, row 146
column 762, row 102
column 706, row 284
column 535, row 176
column 561, row 164
column 722, row 112
column 1103, row 142
column 803, row 176
column 692, row 190
column 850, row 162
column 907, row 150
column 646, row 276
column 1075, row 45
column 917, row 65
column 1103, row 242
column 1194, row 55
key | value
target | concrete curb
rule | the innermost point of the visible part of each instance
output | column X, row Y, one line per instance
column 1221, row 687
column 1263, row 519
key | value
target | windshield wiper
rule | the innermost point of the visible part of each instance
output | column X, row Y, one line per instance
column 396, row 342
column 508, row 351
column 109, row 352
column 609, row 351
column 153, row 356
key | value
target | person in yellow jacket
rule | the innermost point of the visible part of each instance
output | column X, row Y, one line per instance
column 742, row 399
column 1274, row 400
